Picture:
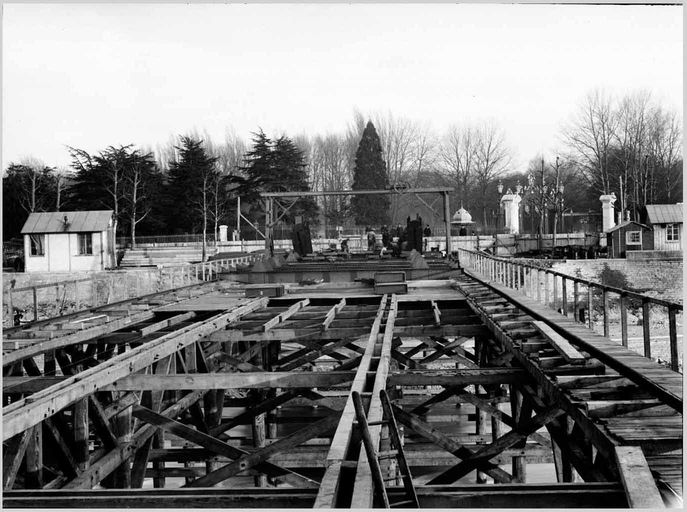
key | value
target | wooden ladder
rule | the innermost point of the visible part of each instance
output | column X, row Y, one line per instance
column 396, row 452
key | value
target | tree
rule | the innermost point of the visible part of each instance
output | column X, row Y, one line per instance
column 458, row 153
column 191, row 181
column 276, row 166
column 29, row 186
column 142, row 180
column 492, row 159
column 370, row 174
column 122, row 179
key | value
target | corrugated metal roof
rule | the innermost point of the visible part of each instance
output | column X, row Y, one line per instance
column 664, row 213
column 53, row 222
column 626, row 223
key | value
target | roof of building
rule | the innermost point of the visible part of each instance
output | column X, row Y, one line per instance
column 462, row 217
column 77, row 222
column 626, row 223
column 664, row 213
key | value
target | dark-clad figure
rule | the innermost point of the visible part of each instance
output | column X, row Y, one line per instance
column 427, row 233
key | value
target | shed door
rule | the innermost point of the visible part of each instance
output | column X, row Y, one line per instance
column 58, row 252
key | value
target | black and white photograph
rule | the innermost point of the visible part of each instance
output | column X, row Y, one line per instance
column 342, row 255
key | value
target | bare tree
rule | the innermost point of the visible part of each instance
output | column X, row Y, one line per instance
column 591, row 135
column 458, row 156
column 492, row 160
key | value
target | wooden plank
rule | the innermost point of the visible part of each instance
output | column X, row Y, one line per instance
column 461, row 377
column 436, row 312
column 363, row 490
column 168, row 322
column 27, row 413
column 247, row 380
column 638, row 482
column 331, row 314
column 329, row 486
column 285, row 315
column 569, row 353
column 74, row 338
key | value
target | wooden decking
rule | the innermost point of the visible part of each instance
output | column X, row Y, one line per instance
column 630, row 400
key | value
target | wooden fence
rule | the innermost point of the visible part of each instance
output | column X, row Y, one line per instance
column 552, row 288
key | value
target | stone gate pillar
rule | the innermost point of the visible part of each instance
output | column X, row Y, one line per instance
column 607, row 211
column 510, row 203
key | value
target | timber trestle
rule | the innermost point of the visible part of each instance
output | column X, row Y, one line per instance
column 471, row 395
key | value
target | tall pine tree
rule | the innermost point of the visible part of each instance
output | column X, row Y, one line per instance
column 276, row 166
column 370, row 174
column 190, row 186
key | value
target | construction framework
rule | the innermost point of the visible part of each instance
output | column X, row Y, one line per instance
column 203, row 397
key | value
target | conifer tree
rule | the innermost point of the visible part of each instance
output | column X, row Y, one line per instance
column 276, row 166
column 370, row 174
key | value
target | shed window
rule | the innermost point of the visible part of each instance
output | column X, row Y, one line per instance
column 633, row 238
column 37, row 245
column 85, row 242
column 672, row 233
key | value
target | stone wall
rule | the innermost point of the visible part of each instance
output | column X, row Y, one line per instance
column 656, row 278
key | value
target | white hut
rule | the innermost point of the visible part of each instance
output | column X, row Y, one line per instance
column 68, row 241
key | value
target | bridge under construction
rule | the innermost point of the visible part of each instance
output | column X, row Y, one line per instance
column 460, row 388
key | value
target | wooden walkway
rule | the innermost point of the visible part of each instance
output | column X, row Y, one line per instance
column 626, row 398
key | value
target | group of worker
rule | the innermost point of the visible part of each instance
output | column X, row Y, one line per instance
column 391, row 240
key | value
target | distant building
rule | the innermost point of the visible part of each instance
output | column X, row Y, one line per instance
column 68, row 241
column 666, row 221
column 629, row 236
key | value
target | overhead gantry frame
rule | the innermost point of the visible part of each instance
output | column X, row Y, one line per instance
column 272, row 216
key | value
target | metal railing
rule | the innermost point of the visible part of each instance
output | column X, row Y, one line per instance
column 74, row 295
column 551, row 288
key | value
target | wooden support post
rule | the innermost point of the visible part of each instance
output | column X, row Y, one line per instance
column 555, row 291
column 607, row 320
column 447, row 224
column 672, row 333
column 547, row 292
column 564, row 293
column 590, row 305
column 258, row 429
column 10, row 308
column 49, row 363
column 35, row 304
column 538, row 279
column 480, row 430
column 623, row 319
column 77, row 299
column 94, row 292
column 576, row 301
column 34, row 458
column 519, row 463
column 646, row 326
column 122, row 428
column 81, row 433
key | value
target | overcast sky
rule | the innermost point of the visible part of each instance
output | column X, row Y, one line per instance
column 93, row 75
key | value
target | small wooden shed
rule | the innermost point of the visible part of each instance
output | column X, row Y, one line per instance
column 666, row 221
column 68, row 241
column 629, row 236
